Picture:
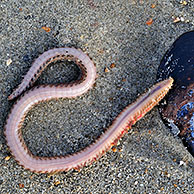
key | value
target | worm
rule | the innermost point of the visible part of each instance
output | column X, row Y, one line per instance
column 28, row 99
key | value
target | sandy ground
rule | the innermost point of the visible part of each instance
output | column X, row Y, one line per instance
column 149, row 159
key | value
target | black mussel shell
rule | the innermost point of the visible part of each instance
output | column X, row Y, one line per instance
column 177, row 108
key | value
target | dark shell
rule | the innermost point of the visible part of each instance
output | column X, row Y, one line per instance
column 177, row 108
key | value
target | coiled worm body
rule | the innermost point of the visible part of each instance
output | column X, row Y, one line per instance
column 120, row 125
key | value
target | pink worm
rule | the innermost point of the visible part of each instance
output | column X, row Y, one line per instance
column 121, row 124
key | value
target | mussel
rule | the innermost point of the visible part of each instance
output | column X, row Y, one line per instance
column 177, row 108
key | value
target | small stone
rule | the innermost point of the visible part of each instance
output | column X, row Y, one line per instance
column 21, row 185
column 149, row 21
column 182, row 19
column 176, row 20
column 182, row 163
column 114, row 149
column 183, row 2
column 7, row 158
column 57, row 183
column 8, row 62
column 106, row 70
column 112, row 65
column 136, row 182
column 46, row 29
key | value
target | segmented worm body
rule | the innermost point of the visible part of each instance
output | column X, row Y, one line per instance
column 120, row 125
